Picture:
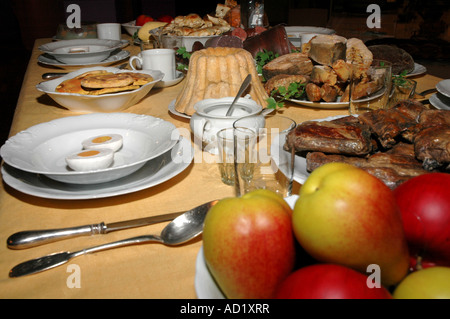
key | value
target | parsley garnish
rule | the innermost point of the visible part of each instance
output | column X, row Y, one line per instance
column 264, row 57
column 400, row 79
column 186, row 56
column 295, row 90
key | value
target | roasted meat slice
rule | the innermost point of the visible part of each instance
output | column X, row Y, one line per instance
column 388, row 125
column 432, row 146
column 284, row 80
column 345, row 135
column 392, row 167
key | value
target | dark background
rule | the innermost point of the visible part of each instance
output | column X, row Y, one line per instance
column 419, row 26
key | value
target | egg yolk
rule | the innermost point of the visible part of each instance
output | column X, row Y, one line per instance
column 88, row 153
column 101, row 139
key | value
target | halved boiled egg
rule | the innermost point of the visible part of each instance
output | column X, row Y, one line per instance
column 109, row 141
column 90, row 160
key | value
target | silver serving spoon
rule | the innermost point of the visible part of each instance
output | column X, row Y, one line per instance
column 243, row 87
column 182, row 229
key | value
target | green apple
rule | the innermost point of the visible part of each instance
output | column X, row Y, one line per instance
column 428, row 283
column 248, row 244
column 345, row 215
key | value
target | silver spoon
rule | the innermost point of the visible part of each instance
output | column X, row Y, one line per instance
column 243, row 87
column 182, row 229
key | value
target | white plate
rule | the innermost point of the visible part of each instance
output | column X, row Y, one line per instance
column 443, row 87
column 440, row 101
column 117, row 55
column 80, row 50
column 418, row 70
column 295, row 33
column 205, row 286
column 300, row 172
column 178, row 79
column 154, row 172
column 113, row 102
column 42, row 148
column 321, row 105
column 175, row 112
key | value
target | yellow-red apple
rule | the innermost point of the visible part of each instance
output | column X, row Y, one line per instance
column 429, row 283
column 248, row 244
column 345, row 215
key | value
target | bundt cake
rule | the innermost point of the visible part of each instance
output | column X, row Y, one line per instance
column 216, row 73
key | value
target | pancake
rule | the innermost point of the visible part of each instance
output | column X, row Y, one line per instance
column 107, row 81
column 74, row 85
column 113, row 90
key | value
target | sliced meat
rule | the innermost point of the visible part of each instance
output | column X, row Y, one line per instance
column 341, row 136
column 293, row 63
column 388, row 125
column 284, row 80
column 432, row 146
column 392, row 167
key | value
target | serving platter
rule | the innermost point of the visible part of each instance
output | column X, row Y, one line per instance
column 42, row 149
column 153, row 173
column 338, row 104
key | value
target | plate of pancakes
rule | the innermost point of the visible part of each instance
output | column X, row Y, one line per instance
column 100, row 89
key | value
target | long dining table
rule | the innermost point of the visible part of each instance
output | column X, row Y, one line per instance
column 138, row 271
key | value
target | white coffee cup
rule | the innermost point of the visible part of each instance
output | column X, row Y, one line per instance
column 156, row 59
column 109, row 31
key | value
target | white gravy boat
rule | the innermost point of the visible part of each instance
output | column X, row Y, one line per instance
column 209, row 118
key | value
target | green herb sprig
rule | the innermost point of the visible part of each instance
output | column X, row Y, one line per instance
column 295, row 90
column 400, row 79
column 186, row 56
column 264, row 57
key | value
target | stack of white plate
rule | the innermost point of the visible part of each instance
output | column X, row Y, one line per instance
column 35, row 159
column 441, row 99
column 83, row 52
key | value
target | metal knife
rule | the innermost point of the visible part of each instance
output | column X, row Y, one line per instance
column 33, row 238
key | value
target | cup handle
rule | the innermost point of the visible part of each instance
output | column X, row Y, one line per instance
column 132, row 59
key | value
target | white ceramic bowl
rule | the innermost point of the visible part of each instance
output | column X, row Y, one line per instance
column 131, row 27
column 81, row 50
column 112, row 102
column 188, row 41
column 298, row 35
column 42, row 148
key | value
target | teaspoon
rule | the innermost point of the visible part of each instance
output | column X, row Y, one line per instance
column 182, row 229
column 243, row 87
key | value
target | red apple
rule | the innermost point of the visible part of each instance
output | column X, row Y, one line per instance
column 347, row 216
column 249, row 245
column 143, row 19
column 424, row 203
column 329, row 281
column 165, row 18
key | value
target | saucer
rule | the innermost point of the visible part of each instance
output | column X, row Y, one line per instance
column 163, row 84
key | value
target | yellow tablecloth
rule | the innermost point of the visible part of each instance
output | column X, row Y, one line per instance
column 143, row 271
